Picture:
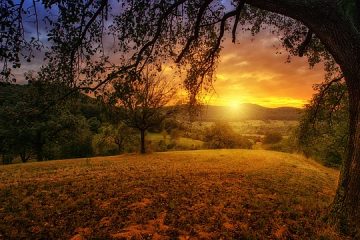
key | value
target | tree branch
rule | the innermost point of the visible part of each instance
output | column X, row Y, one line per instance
column 196, row 30
column 322, row 93
column 337, row 103
column 86, row 29
column 159, row 25
column 304, row 45
column 237, row 18
column 228, row 15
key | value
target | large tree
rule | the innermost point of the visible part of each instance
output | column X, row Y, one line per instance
column 190, row 33
column 142, row 100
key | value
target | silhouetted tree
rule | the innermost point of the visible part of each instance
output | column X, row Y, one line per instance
column 142, row 99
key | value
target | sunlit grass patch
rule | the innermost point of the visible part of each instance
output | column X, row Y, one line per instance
column 228, row 194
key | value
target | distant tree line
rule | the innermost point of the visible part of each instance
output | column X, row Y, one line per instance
column 32, row 126
column 35, row 125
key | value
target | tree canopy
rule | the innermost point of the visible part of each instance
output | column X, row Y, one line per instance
column 75, row 37
column 143, row 100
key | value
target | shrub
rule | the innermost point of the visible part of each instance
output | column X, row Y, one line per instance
column 285, row 145
column 7, row 158
column 162, row 146
column 103, row 146
column 272, row 137
column 333, row 158
column 221, row 135
column 115, row 139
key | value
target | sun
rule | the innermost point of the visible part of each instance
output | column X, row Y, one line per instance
column 234, row 105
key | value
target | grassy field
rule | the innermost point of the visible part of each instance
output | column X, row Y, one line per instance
column 181, row 142
column 224, row 194
column 256, row 127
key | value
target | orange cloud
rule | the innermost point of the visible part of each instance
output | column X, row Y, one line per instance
column 252, row 72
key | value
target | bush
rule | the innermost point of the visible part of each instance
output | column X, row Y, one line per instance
column 272, row 137
column 115, row 139
column 7, row 158
column 162, row 146
column 221, row 135
column 285, row 145
column 175, row 134
column 103, row 146
column 333, row 159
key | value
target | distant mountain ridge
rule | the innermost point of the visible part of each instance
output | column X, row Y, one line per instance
column 248, row 111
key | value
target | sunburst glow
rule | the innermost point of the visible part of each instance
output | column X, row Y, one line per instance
column 234, row 105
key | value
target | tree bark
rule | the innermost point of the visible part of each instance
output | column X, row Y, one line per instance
column 346, row 205
column 343, row 41
column 142, row 141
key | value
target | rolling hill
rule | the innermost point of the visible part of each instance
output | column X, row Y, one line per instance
column 223, row 194
column 248, row 111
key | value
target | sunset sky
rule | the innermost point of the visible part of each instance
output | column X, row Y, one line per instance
column 252, row 72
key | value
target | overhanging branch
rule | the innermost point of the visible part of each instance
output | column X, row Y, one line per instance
column 305, row 44
column 322, row 94
column 237, row 18
column 196, row 30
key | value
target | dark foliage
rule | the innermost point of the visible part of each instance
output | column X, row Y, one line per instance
column 323, row 131
column 272, row 137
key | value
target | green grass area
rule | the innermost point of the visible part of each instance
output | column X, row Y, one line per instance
column 256, row 127
column 181, row 142
column 205, row 194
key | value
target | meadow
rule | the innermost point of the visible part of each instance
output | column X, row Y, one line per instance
column 256, row 127
column 192, row 136
column 204, row 194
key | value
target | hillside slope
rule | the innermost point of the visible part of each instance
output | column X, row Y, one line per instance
column 228, row 194
column 247, row 111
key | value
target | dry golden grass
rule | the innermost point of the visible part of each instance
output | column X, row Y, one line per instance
column 222, row 194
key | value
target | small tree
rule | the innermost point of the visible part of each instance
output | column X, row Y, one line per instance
column 142, row 99
column 113, row 139
column 221, row 135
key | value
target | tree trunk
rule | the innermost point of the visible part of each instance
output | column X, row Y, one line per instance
column 142, row 141
column 341, row 37
column 346, row 206
column 119, row 143
column 38, row 145
column 24, row 157
column 342, row 40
